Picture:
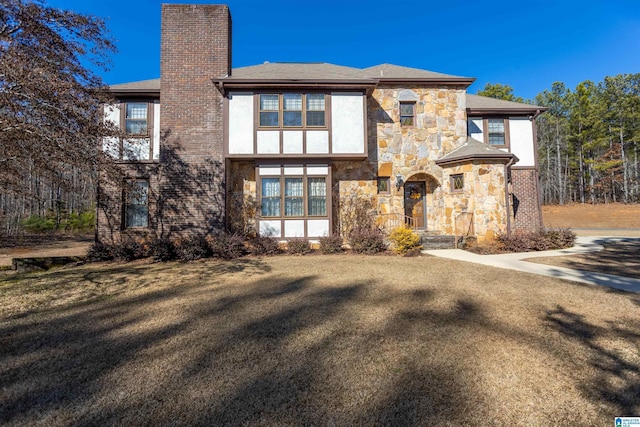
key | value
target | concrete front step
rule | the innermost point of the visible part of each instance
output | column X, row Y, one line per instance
column 431, row 240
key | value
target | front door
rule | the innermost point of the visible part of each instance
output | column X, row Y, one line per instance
column 414, row 204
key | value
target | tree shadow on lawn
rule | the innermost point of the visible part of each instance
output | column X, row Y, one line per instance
column 617, row 379
column 109, row 279
column 272, row 349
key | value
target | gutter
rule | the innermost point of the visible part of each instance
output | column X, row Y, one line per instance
column 506, row 194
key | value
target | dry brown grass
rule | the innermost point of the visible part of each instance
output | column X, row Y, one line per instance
column 610, row 215
column 322, row 340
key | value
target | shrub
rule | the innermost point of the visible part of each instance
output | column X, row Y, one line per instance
column 404, row 239
column 537, row 240
column 355, row 211
column 298, row 246
column 38, row 224
column 227, row 246
column 561, row 238
column 331, row 244
column 128, row 250
column 367, row 241
column 162, row 249
column 192, row 248
column 100, row 252
column 264, row 245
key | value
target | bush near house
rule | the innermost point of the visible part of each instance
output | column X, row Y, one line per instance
column 404, row 239
column 227, row 246
column 264, row 246
column 298, row 246
column 368, row 241
column 331, row 244
column 542, row 240
column 162, row 249
column 193, row 248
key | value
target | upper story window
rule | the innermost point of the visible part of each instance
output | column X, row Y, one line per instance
column 292, row 110
column 136, row 118
column 407, row 114
column 497, row 132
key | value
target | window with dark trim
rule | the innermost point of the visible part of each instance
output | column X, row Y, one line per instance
column 407, row 114
column 497, row 132
column 302, row 196
column 292, row 110
column 136, row 118
column 136, row 121
column 136, row 206
column 384, row 183
column 457, row 182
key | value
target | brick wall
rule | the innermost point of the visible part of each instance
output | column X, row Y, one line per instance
column 195, row 47
column 526, row 202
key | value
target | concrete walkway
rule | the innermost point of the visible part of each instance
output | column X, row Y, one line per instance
column 516, row 261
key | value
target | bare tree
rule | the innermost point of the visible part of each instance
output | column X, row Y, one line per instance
column 50, row 107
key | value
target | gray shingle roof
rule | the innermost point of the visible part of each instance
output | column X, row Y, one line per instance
column 390, row 71
column 474, row 149
column 477, row 102
column 308, row 71
column 140, row 86
column 296, row 71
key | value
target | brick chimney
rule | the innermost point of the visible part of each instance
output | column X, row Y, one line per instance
column 195, row 47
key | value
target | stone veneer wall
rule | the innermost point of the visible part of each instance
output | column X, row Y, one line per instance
column 481, row 206
column 527, row 216
column 440, row 126
column 242, row 197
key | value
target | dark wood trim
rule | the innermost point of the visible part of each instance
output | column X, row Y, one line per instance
column 225, row 126
column 485, row 132
column 537, row 177
column 303, row 111
column 452, row 188
column 305, row 198
column 514, row 112
column 122, row 105
column 305, row 157
column 388, row 179
column 413, row 104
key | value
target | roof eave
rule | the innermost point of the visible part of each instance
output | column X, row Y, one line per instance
column 224, row 85
column 457, row 81
column 134, row 92
column 513, row 111
column 492, row 156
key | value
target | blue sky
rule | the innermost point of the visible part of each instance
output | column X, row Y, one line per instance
column 527, row 45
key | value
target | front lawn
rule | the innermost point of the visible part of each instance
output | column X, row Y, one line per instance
column 317, row 340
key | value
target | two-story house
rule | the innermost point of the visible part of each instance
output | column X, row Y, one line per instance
column 280, row 146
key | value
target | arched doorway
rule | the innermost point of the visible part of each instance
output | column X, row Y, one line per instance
column 418, row 199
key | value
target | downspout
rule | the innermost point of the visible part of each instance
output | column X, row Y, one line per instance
column 506, row 194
